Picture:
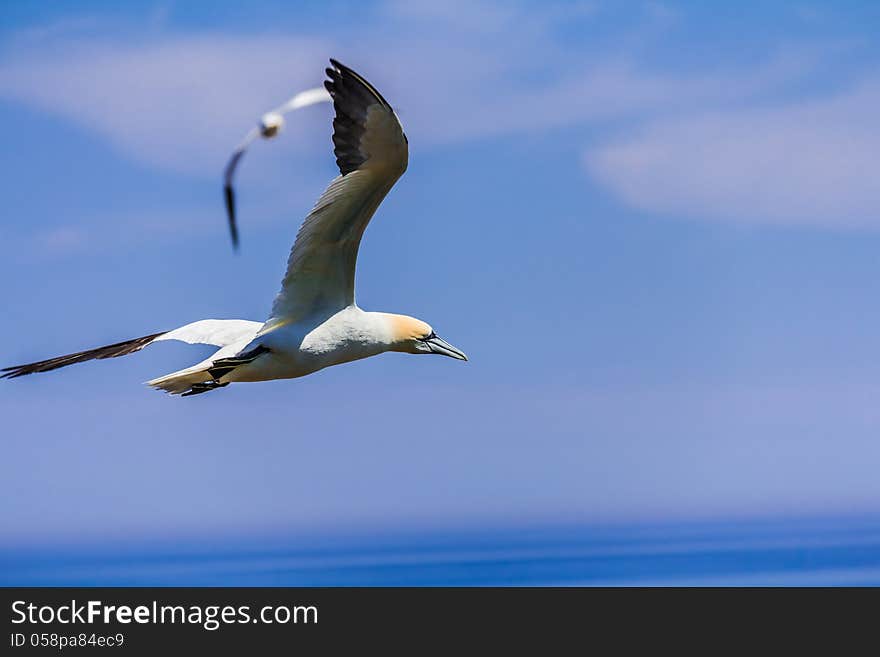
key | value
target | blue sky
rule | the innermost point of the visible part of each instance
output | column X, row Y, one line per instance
column 652, row 226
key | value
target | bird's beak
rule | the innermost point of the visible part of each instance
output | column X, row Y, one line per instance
column 440, row 346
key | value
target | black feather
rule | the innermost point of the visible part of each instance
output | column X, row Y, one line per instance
column 229, row 195
column 109, row 351
column 352, row 98
column 199, row 388
column 223, row 366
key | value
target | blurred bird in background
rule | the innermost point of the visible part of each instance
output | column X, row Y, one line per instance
column 269, row 126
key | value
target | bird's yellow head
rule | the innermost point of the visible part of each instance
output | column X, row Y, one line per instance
column 413, row 336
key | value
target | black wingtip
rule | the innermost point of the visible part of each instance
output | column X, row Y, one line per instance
column 339, row 67
column 12, row 372
column 108, row 351
column 229, row 196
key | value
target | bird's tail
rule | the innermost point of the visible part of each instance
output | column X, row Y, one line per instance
column 207, row 375
column 186, row 382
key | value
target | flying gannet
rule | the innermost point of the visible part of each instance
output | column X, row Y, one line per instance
column 269, row 126
column 314, row 322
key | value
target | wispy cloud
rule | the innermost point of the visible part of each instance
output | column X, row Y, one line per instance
column 62, row 240
column 717, row 142
column 810, row 162
column 179, row 104
column 484, row 70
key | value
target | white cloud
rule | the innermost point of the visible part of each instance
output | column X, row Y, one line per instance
column 469, row 73
column 595, row 92
column 179, row 104
column 456, row 73
column 62, row 240
column 799, row 163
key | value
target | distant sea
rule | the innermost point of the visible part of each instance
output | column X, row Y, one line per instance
column 815, row 552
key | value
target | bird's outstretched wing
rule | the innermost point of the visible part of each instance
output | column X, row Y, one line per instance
column 228, row 189
column 217, row 332
column 302, row 99
column 371, row 152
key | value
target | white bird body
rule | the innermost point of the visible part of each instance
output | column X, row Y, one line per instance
column 314, row 322
column 310, row 345
column 293, row 350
